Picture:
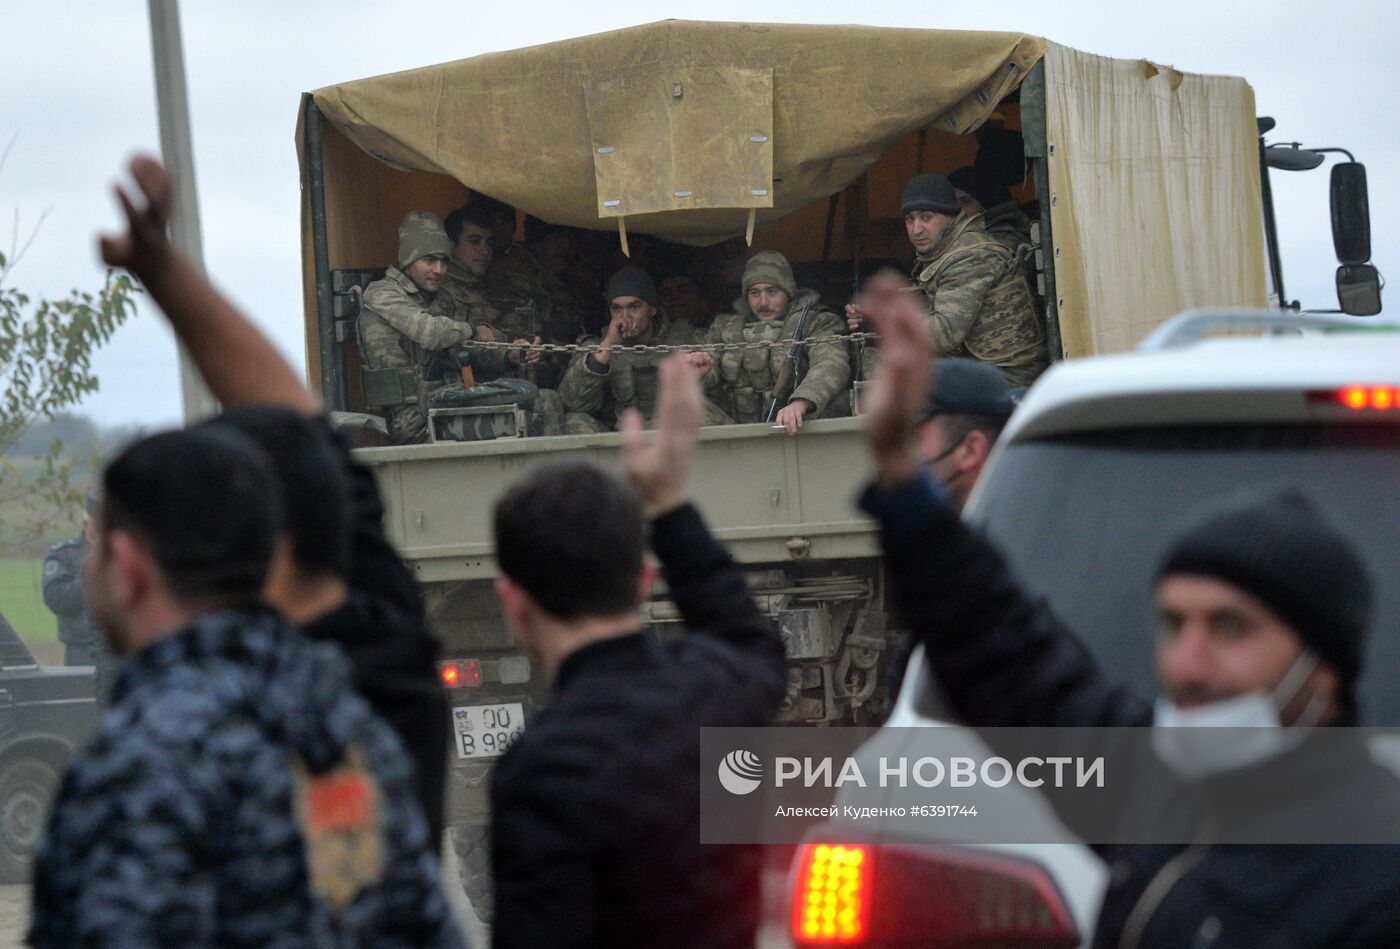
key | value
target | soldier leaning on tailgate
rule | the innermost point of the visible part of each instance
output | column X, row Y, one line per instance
column 600, row 386
column 979, row 303
column 746, row 382
column 396, row 328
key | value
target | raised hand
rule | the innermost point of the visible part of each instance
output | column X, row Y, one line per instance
column 659, row 468
column 901, row 384
column 145, row 247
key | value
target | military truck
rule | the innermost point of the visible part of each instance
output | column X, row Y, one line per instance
column 1148, row 188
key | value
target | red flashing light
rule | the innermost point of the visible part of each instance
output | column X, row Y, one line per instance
column 1360, row 398
column 460, row 675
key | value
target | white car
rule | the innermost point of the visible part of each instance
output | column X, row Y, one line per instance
column 1099, row 466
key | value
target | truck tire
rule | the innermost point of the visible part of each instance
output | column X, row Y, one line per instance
column 473, row 849
column 27, row 787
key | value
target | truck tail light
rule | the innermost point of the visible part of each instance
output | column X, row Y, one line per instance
column 462, row 674
column 829, row 903
column 1359, row 397
column 935, row 896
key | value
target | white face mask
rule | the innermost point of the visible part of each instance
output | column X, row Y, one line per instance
column 1180, row 739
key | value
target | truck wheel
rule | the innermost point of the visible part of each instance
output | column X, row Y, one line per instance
column 472, row 845
column 27, row 788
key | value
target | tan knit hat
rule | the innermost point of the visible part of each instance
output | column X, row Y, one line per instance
column 769, row 266
column 421, row 233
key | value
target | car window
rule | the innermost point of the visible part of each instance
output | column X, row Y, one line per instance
column 13, row 651
column 1085, row 519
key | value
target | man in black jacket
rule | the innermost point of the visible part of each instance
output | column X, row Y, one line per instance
column 595, row 808
column 1263, row 613
column 338, row 578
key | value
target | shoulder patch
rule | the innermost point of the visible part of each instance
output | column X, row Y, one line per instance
column 51, row 568
column 340, row 815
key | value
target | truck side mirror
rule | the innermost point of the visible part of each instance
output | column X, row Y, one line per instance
column 1359, row 289
column 1351, row 215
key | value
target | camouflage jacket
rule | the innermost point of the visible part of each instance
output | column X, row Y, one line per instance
column 463, row 298
column 628, row 381
column 1007, row 224
column 63, row 593
column 742, row 380
column 518, row 281
column 396, row 325
column 238, row 793
column 979, row 302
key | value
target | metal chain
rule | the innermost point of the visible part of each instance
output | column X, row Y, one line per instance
column 663, row 347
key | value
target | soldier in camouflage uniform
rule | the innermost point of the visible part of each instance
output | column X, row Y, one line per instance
column 534, row 275
column 770, row 311
column 978, row 300
column 238, row 792
column 462, row 297
column 599, row 387
column 397, row 329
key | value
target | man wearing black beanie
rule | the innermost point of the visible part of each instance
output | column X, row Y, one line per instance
column 599, row 386
column 1263, row 607
column 976, row 299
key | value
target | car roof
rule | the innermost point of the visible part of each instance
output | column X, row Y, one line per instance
column 1217, row 380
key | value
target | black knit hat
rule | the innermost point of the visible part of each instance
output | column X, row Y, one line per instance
column 632, row 282
column 1280, row 548
column 929, row 193
column 981, row 184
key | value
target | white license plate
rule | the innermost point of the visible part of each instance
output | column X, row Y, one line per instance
column 485, row 731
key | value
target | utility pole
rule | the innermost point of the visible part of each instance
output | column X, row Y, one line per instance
column 177, row 151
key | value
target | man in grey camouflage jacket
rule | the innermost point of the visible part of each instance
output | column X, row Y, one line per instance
column 396, row 326
column 772, row 310
column 978, row 301
column 599, row 387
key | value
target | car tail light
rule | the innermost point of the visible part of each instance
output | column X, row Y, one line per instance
column 829, row 904
column 1360, row 397
column 935, row 897
column 464, row 674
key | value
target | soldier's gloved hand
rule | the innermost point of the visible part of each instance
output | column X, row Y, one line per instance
column 145, row 248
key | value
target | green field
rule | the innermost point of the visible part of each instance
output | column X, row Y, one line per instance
column 22, row 602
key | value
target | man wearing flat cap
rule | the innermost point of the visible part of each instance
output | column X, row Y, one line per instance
column 966, row 411
column 975, row 291
column 749, row 384
column 598, row 387
column 396, row 329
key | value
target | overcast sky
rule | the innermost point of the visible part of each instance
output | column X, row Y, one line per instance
column 78, row 90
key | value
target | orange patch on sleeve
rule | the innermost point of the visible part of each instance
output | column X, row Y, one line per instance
column 338, row 802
